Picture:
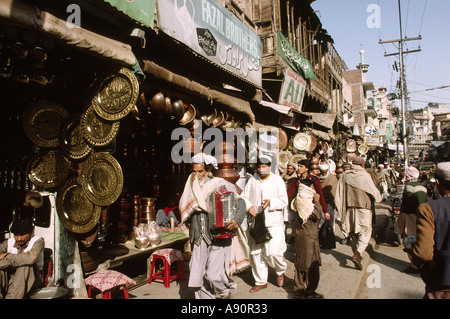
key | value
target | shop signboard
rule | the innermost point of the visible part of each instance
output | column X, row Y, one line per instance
column 139, row 10
column 371, row 135
column 212, row 31
column 292, row 90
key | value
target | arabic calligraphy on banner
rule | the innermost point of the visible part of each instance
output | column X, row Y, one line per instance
column 293, row 58
column 209, row 29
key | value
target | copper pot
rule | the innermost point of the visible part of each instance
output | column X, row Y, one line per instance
column 158, row 103
column 177, row 110
column 227, row 172
column 168, row 105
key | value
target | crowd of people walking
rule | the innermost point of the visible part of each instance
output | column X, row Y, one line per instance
column 305, row 200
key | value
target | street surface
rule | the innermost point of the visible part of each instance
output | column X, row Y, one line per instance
column 381, row 278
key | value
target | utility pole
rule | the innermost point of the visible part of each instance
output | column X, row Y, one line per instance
column 402, row 80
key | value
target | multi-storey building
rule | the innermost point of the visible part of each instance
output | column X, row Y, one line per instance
column 423, row 129
column 293, row 39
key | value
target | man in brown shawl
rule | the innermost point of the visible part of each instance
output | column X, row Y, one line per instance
column 308, row 212
column 354, row 206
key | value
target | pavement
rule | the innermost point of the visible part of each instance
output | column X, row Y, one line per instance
column 339, row 279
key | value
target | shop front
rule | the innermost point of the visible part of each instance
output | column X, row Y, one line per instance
column 93, row 127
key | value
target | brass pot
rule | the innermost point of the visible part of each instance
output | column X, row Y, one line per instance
column 189, row 114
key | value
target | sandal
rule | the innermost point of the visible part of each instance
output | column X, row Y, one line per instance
column 411, row 270
column 314, row 295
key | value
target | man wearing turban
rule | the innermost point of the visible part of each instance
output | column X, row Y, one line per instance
column 414, row 194
column 211, row 256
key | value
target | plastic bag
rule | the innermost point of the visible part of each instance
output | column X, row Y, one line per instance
column 257, row 228
column 326, row 235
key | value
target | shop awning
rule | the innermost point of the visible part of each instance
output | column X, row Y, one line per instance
column 438, row 143
column 322, row 135
column 17, row 13
column 235, row 104
column 323, row 119
column 277, row 107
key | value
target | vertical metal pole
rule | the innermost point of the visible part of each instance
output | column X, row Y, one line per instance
column 402, row 88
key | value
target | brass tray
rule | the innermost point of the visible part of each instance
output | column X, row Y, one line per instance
column 97, row 131
column 102, row 179
column 48, row 169
column 42, row 123
column 76, row 212
column 73, row 144
column 116, row 95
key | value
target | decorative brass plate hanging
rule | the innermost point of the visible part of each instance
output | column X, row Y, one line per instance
column 42, row 123
column 101, row 178
column 48, row 169
column 97, row 131
column 76, row 212
column 116, row 95
column 72, row 142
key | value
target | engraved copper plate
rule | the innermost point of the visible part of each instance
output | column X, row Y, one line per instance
column 72, row 142
column 96, row 130
column 76, row 212
column 116, row 96
column 42, row 123
column 102, row 179
column 48, row 169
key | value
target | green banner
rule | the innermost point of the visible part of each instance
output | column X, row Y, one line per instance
column 142, row 11
column 298, row 63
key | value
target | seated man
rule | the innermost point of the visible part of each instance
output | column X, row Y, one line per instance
column 21, row 261
column 167, row 216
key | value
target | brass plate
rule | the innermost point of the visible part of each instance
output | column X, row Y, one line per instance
column 97, row 131
column 48, row 169
column 362, row 149
column 76, row 212
column 72, row 142
column 283, row 159
column 102, row 179
column 116, row 95
column 42, row 123
column 302, row 141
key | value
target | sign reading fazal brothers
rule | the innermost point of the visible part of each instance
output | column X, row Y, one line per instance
column 212, row 31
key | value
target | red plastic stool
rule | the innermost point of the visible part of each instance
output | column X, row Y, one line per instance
column 168, row 257
column 106, row 281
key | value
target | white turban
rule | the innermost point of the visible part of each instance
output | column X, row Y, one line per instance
column 411, row 173
column 204, row 159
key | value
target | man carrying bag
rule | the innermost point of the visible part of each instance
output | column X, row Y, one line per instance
column 267, row 192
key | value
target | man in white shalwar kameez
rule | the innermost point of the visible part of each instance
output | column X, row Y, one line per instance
column 267, row 191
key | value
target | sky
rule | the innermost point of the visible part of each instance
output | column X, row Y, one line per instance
column 361, row 24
